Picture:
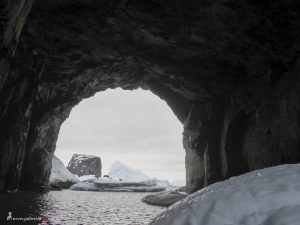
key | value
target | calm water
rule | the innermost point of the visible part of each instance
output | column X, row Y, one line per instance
column 77, row 207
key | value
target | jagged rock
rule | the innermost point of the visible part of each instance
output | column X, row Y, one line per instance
column 82, row 164
column 165, row 198
column 228, row 69
column 61, row 177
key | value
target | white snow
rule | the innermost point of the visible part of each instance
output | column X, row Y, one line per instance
column 87, row 178
column 269, row 196
column 59, row 173
column 119, row 170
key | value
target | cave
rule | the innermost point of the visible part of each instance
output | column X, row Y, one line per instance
column 228, row 69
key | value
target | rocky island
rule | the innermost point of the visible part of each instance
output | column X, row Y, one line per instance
column 62, row 178
column 121, row 178
column 83, row 164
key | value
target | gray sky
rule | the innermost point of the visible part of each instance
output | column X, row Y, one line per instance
column 134, row 127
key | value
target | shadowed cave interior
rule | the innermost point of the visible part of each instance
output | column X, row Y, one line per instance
column 229, row 70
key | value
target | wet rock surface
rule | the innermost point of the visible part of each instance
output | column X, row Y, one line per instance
column 229, row 70
column 165, row 198
column 81, row 165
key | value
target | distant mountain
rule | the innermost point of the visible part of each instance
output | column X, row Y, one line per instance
column 119, row 170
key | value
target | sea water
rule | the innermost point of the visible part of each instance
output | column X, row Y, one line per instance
column 76, row 207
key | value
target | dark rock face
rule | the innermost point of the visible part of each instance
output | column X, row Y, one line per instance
column 228, row 69
column 81, row 165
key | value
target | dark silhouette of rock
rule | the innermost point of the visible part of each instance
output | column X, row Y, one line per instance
column 165, row 198
column 82, row 164
column 228, row 69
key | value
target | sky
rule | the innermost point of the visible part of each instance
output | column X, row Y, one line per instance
column 136, row 128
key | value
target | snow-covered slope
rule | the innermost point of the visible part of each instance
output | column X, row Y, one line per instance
column 120, row 171
column 60, row 174
column 263, row 197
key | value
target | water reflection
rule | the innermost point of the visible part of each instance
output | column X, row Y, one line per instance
column 24, row 206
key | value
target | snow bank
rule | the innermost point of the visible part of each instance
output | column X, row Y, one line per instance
column 269, row 196
column 60, row 174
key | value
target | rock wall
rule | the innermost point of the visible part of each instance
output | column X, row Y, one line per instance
column 228, row 69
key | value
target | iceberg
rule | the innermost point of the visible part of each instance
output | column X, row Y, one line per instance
column 60, row 176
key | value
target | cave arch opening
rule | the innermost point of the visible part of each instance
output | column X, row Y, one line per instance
column 136, row 128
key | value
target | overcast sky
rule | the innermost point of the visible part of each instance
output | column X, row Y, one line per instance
column 134, row 127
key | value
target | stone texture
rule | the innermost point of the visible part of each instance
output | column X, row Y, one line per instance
column 81, row 165
column 228, row 69
column 165, row 198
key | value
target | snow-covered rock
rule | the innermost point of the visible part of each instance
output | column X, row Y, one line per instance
column 82, row 164
column 119, row 170
column 269, row 196
column 60, row 176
